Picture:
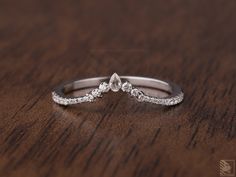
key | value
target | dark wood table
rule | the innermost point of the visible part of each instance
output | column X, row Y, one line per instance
column 44, row 43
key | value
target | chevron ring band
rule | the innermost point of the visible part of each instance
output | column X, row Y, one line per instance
column 128, row 84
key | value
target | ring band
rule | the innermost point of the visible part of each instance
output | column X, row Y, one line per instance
column 129, row 84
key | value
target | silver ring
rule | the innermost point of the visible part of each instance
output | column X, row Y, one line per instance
column 129, row 84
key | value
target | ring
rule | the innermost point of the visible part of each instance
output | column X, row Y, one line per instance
column 128, row 84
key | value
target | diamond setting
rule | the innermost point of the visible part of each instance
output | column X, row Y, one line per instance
column 141, row 97
column 134, row 92
column 104, row 87
column 89, row 98
column 96, row 93
column 126, row 87
column 138, row 94
column 115, row 83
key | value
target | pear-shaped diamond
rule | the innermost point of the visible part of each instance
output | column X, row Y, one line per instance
column 115, row 83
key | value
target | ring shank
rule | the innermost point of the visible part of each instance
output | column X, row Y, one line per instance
column 173, row 89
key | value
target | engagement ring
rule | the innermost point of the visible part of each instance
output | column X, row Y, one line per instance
column 133, row 85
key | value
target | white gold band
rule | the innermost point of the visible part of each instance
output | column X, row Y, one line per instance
column 129, row 84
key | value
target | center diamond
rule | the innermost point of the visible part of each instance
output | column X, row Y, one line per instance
column 115, row 83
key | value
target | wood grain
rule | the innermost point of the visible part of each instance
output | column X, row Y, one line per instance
column 44, row 43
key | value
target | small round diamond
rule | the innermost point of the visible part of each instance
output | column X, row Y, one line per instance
column 104, row 87
column 89, row 98
column 141, row 98
column 74, row 101
column 138, row 94
column 96, row 93
column 172, row 102
column 79, row 100
column 126, row 87
column 65, row 102
column 134, row 92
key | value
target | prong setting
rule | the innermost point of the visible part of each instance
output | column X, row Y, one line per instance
column 126, row 87
column 115, row 83
column 104, row 87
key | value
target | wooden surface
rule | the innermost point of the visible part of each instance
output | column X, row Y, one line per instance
column 44, row 43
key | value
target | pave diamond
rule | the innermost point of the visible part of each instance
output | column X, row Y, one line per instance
column 115, row 83
column 89, row 98
column 96, row 93
column 126, row 87
column 104, row 87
